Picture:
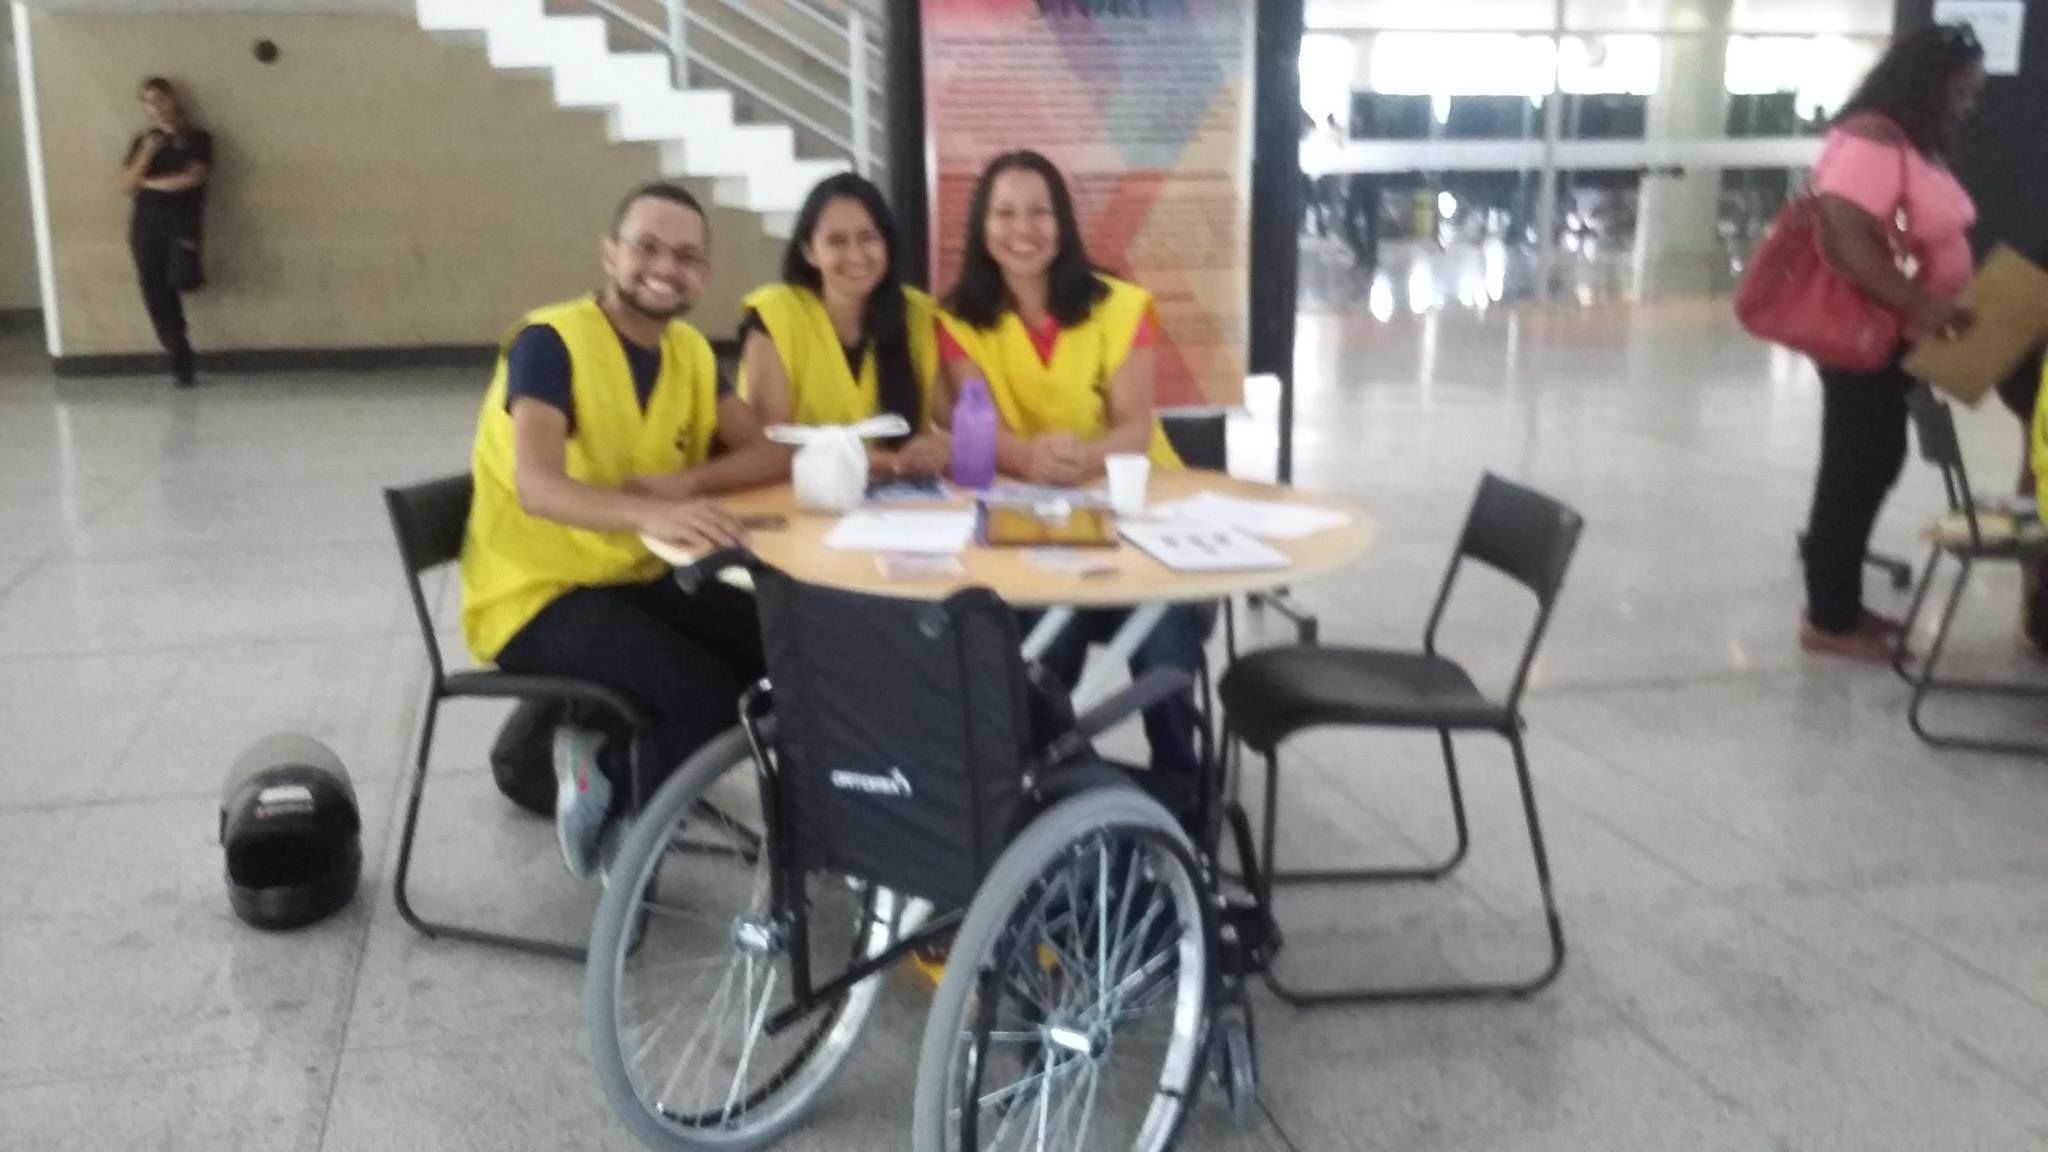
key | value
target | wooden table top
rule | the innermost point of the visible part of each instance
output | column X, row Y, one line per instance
column 799, row 550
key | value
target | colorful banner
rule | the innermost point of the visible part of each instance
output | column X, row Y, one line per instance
column 1146, row 105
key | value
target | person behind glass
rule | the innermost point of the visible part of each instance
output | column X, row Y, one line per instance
column 1886, row 153
column 1067, row 355
column 165, row 174
column 842, row 339
column 597, row 429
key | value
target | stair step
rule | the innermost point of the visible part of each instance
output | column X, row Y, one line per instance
column 544, row 41
column 610, row 80
column 698, row 116
column 737, row 151
column 473, row 15
column 777, row 188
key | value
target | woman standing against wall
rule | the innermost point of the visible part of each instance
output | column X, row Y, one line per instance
column 165, row 174
column 1885, row 160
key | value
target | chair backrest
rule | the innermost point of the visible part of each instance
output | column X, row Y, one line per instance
column 1200, row 438
column 429, row 520
column 1527, row 537
column 1522, row 534
column 902, row 732
column 1935, row 425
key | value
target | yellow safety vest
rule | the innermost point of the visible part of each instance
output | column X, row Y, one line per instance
column 514, row 564
column 1071, row 394
column 823, row 390
column 2038, row 456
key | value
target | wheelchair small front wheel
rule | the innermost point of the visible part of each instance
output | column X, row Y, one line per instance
column 1236, row 1054
column 688, row 962
column 1074, row 1009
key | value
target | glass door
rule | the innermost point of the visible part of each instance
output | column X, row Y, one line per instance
column 1590, row 150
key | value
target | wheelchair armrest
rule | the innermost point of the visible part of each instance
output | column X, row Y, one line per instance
column 1147, row 690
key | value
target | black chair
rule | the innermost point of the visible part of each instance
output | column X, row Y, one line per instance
column 429, row 521
column 1273, row 694
column 1961, row 535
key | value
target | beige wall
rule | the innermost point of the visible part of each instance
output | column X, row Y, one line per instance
column 17, row 235
column 375, row 187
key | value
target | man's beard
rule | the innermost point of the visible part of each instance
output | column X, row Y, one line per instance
column 632, row 300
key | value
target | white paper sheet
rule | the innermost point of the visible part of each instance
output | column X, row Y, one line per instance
column 896, row 530
column 1268, row 518
column 1189, row 547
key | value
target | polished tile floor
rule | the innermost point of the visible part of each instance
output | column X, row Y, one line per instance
column 1793, row 927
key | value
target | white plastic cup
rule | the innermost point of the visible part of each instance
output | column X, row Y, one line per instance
column 1129, row 473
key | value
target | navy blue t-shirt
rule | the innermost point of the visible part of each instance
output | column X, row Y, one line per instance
column 537, row 367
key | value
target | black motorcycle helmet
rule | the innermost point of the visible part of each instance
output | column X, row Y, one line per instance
column 292, row 833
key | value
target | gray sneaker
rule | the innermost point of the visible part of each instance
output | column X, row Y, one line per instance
column 583, row 798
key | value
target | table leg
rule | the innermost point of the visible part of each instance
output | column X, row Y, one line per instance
column 1047, row 630
column 1116, row 655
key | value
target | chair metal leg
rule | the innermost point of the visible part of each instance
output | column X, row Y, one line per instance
column 1926, row 684
column 1422, row 874
column 1319, row 997
column 1902, row 651
column 434, row 929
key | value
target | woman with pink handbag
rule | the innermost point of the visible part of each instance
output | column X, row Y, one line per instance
column 1894, row 222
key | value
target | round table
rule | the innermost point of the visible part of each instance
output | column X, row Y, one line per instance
column 1136, row 581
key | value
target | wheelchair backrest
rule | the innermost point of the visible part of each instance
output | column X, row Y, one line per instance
column 902, row 733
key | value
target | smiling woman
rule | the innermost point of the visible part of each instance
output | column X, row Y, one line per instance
column 841, row 338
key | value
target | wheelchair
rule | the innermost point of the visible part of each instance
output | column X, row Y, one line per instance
column 900, row 780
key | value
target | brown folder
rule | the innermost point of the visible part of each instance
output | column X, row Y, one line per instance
column 2009, row 298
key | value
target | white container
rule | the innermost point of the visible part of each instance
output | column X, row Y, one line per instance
column 1129, row 475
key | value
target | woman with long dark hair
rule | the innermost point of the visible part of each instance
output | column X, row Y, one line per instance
column 841, row 338
column 165, row 173
column 1885, row 161
column 1067, row 355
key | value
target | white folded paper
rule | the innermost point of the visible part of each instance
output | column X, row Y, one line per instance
column 1189, row 547
column 898, row 530
column 1269, row 518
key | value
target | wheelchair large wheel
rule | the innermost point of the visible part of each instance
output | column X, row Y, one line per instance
column 687, row 965
column 1074, row 1009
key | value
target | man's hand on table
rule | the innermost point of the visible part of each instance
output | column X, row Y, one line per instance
column 697, row 526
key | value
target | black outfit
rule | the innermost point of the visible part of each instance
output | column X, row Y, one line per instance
column 684, row 656
column 1362, row 220
column 1862, row 452
column 161, row 222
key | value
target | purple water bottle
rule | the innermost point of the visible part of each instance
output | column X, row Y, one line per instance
column 974, row 437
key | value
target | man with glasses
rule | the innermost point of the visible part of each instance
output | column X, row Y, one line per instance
column 597, row 429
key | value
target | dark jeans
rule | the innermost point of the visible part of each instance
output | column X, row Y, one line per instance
column 1170, row 725
column 1362, row 221
column 685, row 657
column 1862, row 451
column 150, row 245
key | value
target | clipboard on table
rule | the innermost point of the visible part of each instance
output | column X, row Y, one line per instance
column 2009, row 299
column 1018, row 526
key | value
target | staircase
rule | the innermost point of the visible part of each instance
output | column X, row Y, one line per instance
column 778, row 109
